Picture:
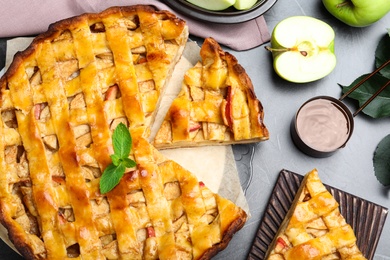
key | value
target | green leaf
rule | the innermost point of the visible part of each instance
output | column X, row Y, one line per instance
column 115, row 159
column 380, row 106
column 122, row 141
column 382, row 54
column 128, row 163
column 382, row 161
column 111, row 177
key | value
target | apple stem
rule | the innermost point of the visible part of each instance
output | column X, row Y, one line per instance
column 304, row 53
column 274, row 49
column 348, row 2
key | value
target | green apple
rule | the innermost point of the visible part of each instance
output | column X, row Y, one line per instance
column 303, row 49
column 244, row 4
column 358, row 13
column 213, row 5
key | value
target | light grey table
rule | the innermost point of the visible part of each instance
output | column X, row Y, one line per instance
column 350, row 169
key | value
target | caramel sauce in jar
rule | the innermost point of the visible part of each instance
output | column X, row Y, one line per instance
column 323, row 124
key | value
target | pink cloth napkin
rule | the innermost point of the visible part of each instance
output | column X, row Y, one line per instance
column 30, row 17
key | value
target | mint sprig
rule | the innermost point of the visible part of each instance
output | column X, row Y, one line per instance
column 122, row 142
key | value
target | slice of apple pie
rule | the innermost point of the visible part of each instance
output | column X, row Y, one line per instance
column 216, row 105
column 190, row 221
column 61, row 98
column 313, row 227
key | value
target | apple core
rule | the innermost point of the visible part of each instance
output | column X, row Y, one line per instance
column 307, row 49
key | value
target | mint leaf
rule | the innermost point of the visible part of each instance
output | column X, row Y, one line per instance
column 128, row 163
column 122, row 141
column 115, row 159
column 382, row 161
column 111, row 177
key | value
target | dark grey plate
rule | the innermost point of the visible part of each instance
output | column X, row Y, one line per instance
column 228, row 16
column 366, row 218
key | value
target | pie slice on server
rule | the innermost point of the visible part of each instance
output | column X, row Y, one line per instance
column 216, row 105
column 313, row 227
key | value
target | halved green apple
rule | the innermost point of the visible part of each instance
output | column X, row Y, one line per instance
column 213, row 5
column 303, row 49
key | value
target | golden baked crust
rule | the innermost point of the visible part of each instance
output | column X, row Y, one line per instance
column 204, row 222
column 151, row 40
column 313, row 227
column 60, row 101
column 217, row 105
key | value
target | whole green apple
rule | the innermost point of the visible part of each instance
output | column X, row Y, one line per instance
column 358, row 13
column 303, row 49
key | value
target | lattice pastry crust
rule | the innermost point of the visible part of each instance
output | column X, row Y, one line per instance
column 313, row 227
column 217, row 105
column 60, row 101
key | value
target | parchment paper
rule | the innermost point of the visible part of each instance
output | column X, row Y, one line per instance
column 214, row 165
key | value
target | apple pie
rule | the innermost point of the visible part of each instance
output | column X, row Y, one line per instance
column 61, row 99
column 217, row 105
column 313, row 227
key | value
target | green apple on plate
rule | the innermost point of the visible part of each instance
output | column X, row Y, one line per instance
column 303, row 49
column 244, row 4
column 219, row 5
column 213, row 5
column 358, row 13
